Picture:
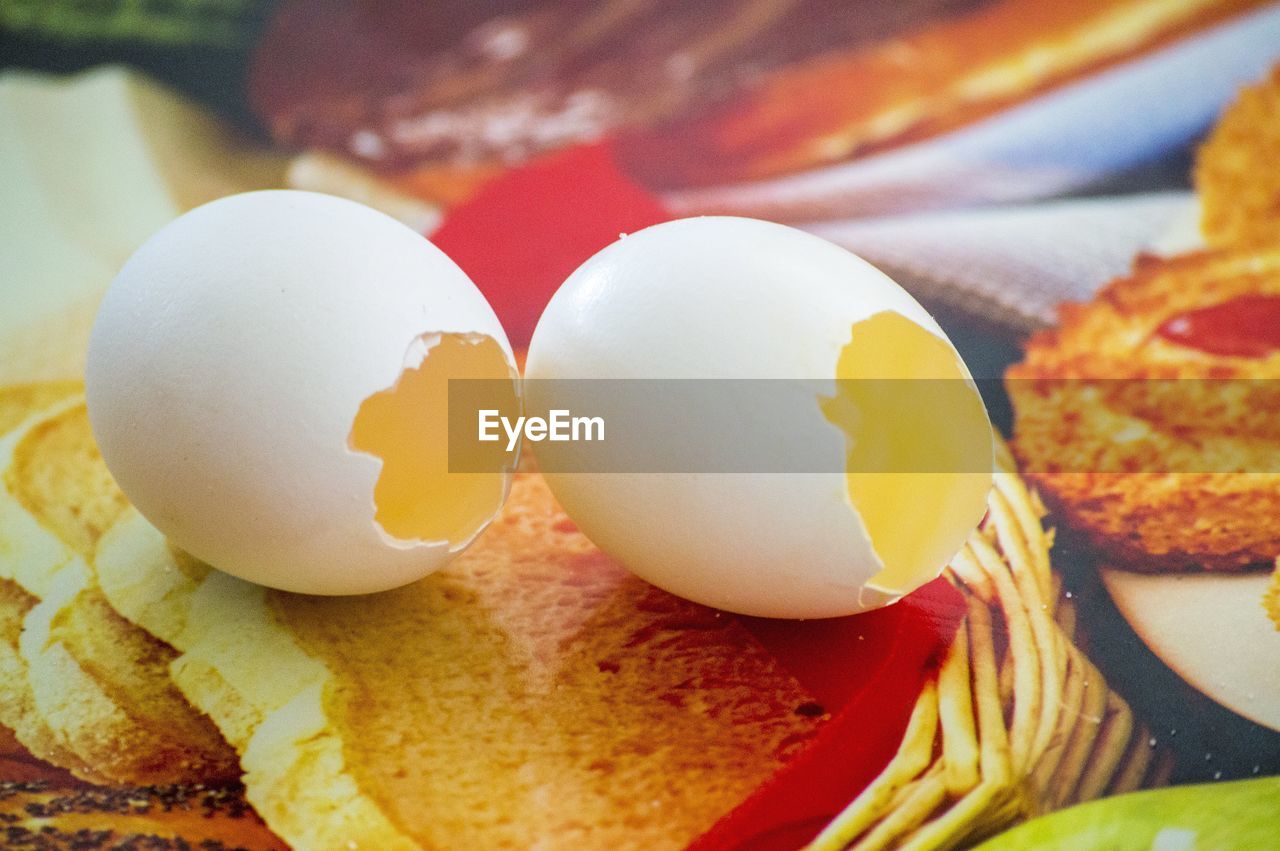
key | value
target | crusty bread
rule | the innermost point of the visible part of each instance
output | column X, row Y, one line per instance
column 1165, row 454
column 533, row 692
column 19, row 765
column 97, row 684
column 1236, row 172
column 44, row 807
column 1115, row 338
column 17, row 705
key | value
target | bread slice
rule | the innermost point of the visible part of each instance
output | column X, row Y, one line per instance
column 98, row 685
column 531, row 693
column 1167, row 456
column 17, row 705
column 1235, row 173
column 19, row 765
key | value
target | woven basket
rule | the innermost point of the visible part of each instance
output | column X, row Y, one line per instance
column 1017, row 721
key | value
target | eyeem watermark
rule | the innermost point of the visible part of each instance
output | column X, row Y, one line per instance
column 558, row 426
column 1129, row 426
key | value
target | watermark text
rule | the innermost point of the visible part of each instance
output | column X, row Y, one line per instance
column 558, row 426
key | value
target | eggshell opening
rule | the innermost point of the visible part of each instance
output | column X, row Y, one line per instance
column 918, row 447
column 724, row 299
column 423, row 496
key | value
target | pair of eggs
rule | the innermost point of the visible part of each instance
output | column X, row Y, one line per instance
column 268, row 381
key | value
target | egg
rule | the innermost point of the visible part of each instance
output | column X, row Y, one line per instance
column 267, row 382
column 908, row 463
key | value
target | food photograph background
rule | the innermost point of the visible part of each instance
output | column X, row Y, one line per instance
column 998, row 158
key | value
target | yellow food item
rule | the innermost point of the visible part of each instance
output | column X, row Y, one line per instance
column 1271, row 600
column 1166, row 455
column 97, row 686
column 531, row 689
column 1236, row 175
column 407, row 428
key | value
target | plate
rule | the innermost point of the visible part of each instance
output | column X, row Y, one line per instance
column 1212, row 630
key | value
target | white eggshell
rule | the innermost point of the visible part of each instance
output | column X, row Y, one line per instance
column 228, row 362
column 723, row 298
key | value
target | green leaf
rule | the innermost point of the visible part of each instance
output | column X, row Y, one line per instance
column 230, row 24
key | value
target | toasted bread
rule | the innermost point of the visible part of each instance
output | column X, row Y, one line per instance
column 532, row 690
column 17, row 705
column 1235, row 173
column 97, row 683
column 1167, row 455
column 19, row 765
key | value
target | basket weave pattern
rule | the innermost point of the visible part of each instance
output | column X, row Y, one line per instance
column 1017, row 721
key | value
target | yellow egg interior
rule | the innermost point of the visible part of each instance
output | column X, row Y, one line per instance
column 416, row 496
column 918, row 452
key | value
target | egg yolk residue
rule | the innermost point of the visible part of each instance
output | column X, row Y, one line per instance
column 416, row 496
column 918, row 452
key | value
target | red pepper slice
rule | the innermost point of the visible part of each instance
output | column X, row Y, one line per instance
column 868, row 670
column 520, row 235
column 1247, row 326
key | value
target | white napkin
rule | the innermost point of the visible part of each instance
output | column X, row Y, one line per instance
column 1009, row 267
column 1108, row 122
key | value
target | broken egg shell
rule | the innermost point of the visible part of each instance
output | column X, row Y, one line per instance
column 226, row 366
column 733, row 298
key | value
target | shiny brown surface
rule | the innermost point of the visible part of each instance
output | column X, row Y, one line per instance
column 939, row 76
column 398, row 84
column 45, row 807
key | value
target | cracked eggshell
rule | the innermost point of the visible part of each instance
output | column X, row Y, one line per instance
column 227, row 364
column 723, row 298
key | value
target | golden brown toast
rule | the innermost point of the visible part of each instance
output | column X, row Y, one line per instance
column 1164, row 453
column 97, row 684
column 19, row 765
column 533, row 690
column 17, row 705
column 43, row 806
column 1236, row 175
